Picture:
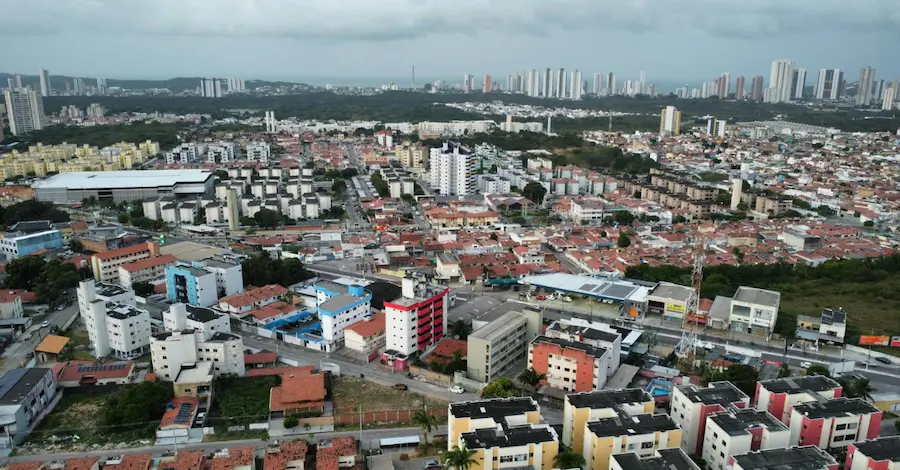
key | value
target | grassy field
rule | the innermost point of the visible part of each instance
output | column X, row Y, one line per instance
column 244, row 399
column 351, row 392
column 870, row 306
column 75, row 415
column 78, row 343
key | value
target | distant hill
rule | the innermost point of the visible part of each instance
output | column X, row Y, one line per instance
column 176, row 85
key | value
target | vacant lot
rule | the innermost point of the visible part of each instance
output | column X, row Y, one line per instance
column 79, row 343
column 74, row 415
column 870, row 306
column 240, row 400
column 351, row 392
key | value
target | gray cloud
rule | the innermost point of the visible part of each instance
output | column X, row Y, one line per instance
column 384, row 20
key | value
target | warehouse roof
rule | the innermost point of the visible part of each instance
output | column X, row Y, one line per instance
column 122, row 179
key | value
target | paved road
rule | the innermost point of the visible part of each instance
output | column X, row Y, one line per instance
column 18, row 352
column 369, row 438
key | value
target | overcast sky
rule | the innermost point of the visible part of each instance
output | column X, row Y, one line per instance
column 672, row 40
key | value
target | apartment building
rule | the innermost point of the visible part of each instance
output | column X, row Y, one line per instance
column 526, row 445
column 496, row 347
column 189, row 317
column 339, row 306
column 738, row 431
column 874, row 454
column 468, row 416
column 106, row 265
column 582, row 408
column 229, row 275
column 779, row 396
column 25, row 108
column 24, row 396
column 453, row 169
column 191, row 285
column 258, row 151
column 415, row 321
column 114, row 324
column 568, row 365
column 412, row 156
column 674, row 459
column 145, row 270
column 596, row 334
column 242, row 303
column 797, row 458
column 641, row 434
column 692, row 405
column 834, row 423
column 170, row 351
column 772, row 204
column 366, row 336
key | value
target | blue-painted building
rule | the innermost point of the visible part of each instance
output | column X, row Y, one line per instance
column 191, row 285
column 340, row 306
column 16, row 245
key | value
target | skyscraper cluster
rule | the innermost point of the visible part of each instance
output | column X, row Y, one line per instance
column 561, row 84
column 210, row 88
column 236, row 85
column 46, row 88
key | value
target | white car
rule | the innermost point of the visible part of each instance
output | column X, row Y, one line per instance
column 457, row 389
column 45, row 324
column 806, row 364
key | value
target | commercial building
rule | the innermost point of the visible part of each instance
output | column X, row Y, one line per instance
column 692, row 405
column 123, row 186
column 754, row 311
column 582, row 408
column 453, row 170
column 16, row 245
column 229, row 275
column 25, row 110
column 669, row 300
column 191, row 285
column 641, row 434
column 415, row 321
column 834, row 423
column 114, row 324
column 242, row 303
column 340, row 306
column 875, row 454
column 106, row 264
column 670, row 121
column 366, row 336
column 779, row 396
column 24, row 395
column 468, row 416
column 674, row 459
column 795, row 458
column 830, row 327
column 145, row 270
column 738, row 431
column 502, row 343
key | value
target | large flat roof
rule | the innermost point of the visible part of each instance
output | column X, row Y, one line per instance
column 122, row 179
column 616, row 290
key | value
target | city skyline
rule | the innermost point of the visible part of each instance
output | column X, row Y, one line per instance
column 315, row 39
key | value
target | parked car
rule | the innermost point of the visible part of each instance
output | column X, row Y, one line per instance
column 457, row 389
column 806, row 364
column 201, row 415
column 540, row 297
column 432, row 465
column 565, row 298
column 45, row 324
column 400, row 387
column 883, row 360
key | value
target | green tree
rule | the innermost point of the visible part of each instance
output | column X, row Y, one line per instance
column 784, row 370
column 291, row 421
column 339, row 187
column 738, row 255
column 142, row 288
column 24, row 272
column 567, row 458
column 267, row 218
column 461, row 329
column 535, row 192
column 123, row 218
column 623, row 217
column 501, row 388
column 624, row 241
column 426, row 422
column 136, row 405
column 531, row 377
column 818, row 369
column 380, row 185
column 459, row 458
column 742, row 376
column 76, row 245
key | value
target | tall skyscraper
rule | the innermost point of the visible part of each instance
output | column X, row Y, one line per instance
column 739, row 88
column 101, row 86
column 866, row 86
column 548, row 77
column 887, row 103
column 18, row 80
column 453, row 170
column 210, row 88
column 598, row 84
column 561, row 83
column 78, row 86
column 879, row 89
column 756, row 88
column 670, row 121
column 487, row 84
column 468, row 82
column 25, row 108
column 722, row 86
column 642, row 86
column 780, row 79
column 10, row 83
column 45, row 83
column 577, row 85
column 610, row 84
column 829, row 84
column 798, row 83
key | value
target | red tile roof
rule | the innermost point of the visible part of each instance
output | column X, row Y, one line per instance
column 168, row 418
column 273, row 310
column 83, row 463
column 327, row 455
column 149, row 263
column 448, row 346
column 68, row 371
column 278, row 459
column 132, row 462
column 8, row 296
column 301, row 387
column 262, row 357
column 184, row 460
column 369, row 328
column 36, row 465
column 128, row 250
column 27, row 297
column 254, row 295
column 235, row 457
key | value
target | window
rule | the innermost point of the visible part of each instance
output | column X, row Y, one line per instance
column 506, row 458
column 647, row 445
column 840, row 427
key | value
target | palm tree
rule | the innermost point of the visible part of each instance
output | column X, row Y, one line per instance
column 459, row 458
column 863, row 388
column 426, row 422
column 531, row 377
column 461, row 329
column 568, row 458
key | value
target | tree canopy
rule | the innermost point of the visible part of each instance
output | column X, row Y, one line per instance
column 501, row 388
column 31, row 210
column 262, row 270
column 535, row 192
column 137, row 405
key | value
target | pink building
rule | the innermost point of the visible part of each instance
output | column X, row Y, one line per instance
column 877, row 454
column 691, row 405
column 800, row 458
column 779, row 396
column 834, row 423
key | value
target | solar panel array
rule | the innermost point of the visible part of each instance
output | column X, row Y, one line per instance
column 607, row 289
column 185, row 413
column 100, row 368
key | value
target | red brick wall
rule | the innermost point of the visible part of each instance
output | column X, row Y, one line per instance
column 382, row 416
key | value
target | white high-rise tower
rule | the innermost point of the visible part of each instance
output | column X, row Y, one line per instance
column 780, row 80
